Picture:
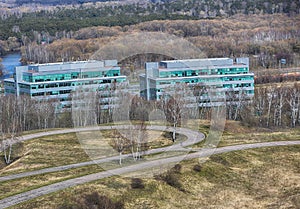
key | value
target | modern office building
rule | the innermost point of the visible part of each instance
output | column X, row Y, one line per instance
column 59, row 80
column 219, row 76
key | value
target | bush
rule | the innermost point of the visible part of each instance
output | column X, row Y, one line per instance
column 93, row 201
column 137, row 183
column 197, row 168
column 172, row 179
column 177, row 168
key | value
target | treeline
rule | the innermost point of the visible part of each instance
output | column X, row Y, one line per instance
column 273, row 106
column 72, row 19
column 263, row 78
column 55, row 2
column 19, row 114
column 68, row 20
column 266, row 39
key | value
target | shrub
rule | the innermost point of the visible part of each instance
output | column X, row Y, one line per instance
column 172, row 179
column 93, row 201
column 137, row 183
column 197, row 168
column 177, row 168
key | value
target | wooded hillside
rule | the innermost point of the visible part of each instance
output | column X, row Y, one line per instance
column 266, row 38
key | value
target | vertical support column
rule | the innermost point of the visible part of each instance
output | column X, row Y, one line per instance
column 150, row 68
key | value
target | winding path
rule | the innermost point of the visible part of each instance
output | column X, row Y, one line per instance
column 16, row 199
column 193, row 137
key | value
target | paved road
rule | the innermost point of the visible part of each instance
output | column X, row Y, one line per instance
column 16, row 199
column 193, row 137
column 13, row 200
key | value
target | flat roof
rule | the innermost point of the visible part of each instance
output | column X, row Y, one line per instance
column 207, row 62
column 64, row 63
column 75, row 70
column 195, row 60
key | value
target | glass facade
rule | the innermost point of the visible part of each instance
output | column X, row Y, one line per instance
column 222, row 74
column 58, row 80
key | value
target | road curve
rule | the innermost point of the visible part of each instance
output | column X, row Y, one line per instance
column 193, row 137
column 16, row 199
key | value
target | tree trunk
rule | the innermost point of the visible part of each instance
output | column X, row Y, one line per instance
column 174, row 132
column 7, row 153
column 120, row 158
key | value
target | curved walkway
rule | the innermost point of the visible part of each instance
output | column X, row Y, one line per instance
column 16, row 199
column 193, row 137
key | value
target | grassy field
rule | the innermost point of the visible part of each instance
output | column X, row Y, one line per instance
column 235, row 133
column 258, row 178
column 13, row 187
column 57, row 150
column 64, row 149
column 49, row 151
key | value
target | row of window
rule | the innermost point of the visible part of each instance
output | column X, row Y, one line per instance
column 187, row 73
column 206, row 96
column 69, row 76
column 51, row 93
column 206, row 80
column 241, row 85
column 9, row 84
column 66, row 84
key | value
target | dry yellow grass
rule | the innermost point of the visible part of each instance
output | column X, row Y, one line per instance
column 64, row 149
column 259, row 178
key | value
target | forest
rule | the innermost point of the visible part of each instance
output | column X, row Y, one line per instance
column 68, row 34
column 17, row 22
column 266, row 31
column 266, row 39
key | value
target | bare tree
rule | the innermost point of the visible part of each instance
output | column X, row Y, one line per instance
column 230, row 101
column 140, row 139
column 293, row 101
column 176, row 104
column 8, row 139
column 270, row 96
column 119, row 143
column 259, row 102
column 84, row 107
column 9, row 128
column 201, row 93
column 239, row 103
column 280, row 94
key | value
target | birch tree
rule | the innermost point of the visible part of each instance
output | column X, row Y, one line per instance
column 9, row 126
column 280, row 94
column 119, row 143
column 270, row 96
column 84, row 107
column 141, row 139
column 230, row 103
column 293, row 101
column 259, row 103
column 240, row 102
column 175, row 105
